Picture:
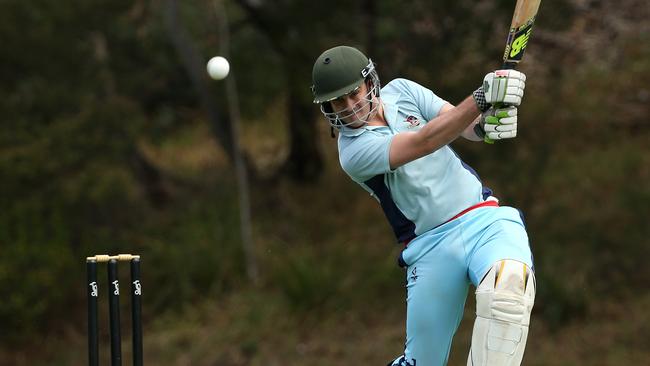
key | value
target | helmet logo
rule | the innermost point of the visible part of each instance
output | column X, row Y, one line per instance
column 368, row 69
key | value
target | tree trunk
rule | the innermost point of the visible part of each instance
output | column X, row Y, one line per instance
column 305, row 162
column 369, row 12
column 195, row 68
column 245, row 221
column 225, row 130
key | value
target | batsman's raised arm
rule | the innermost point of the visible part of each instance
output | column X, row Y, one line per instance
column 503, row 87
column 408, row 146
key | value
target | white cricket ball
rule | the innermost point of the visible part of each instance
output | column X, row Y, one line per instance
column 218, row 68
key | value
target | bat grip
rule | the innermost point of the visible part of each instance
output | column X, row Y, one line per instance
column 508, row 65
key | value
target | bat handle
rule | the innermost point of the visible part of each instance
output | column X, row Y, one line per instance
column 508, row 65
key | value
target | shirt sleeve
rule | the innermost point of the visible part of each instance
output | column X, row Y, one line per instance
column 426, row 100
column 365, row 156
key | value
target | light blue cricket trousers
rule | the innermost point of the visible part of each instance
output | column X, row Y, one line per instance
column 441, row 263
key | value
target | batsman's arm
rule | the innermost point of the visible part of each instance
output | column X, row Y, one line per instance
column 469, row 132
column 440, row 131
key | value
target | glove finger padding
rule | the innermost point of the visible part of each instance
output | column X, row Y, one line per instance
column 501, row 116
column 500, row 128
column 500, row 123
column 501, row 135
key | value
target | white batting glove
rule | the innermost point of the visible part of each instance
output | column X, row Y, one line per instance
column 500, row 87
column 498, row 124
column 504, row 87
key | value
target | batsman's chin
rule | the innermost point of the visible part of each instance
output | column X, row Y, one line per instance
column 353, row 124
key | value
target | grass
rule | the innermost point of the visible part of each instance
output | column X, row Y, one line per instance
column 258, row 327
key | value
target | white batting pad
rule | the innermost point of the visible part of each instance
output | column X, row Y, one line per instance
column 504, row 301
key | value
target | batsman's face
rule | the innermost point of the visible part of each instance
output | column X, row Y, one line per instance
column 354, row 108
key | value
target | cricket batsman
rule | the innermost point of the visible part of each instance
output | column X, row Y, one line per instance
column 394, row 142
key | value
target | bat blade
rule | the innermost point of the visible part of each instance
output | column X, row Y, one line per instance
column 520, row 29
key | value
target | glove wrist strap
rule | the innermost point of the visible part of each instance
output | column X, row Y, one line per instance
column 479, row 99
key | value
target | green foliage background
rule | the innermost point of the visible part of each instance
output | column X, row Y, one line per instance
column 105, row 148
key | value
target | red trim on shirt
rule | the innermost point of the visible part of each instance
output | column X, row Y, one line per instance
column 482, row 204
column 489, row 202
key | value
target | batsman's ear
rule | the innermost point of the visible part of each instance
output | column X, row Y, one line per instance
column 327, row 107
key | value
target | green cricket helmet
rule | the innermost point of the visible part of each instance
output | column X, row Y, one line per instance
column 340, row 71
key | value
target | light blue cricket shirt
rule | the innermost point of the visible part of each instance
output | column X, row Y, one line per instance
column 424, row 193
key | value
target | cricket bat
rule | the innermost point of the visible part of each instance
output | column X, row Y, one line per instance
column 520, row 28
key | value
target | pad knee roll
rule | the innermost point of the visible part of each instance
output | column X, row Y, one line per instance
column 504, row 301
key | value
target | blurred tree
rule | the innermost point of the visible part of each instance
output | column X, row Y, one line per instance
column 291, row 39
column 194, row 65
column 243, row 190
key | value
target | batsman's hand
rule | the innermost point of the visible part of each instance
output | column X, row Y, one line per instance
column 497, row 124
column 504, row 87
column 501, row 87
